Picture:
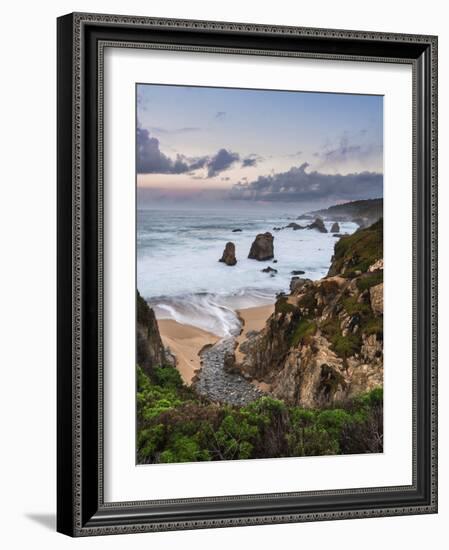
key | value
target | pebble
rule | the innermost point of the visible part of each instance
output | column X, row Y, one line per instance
column 221, row 386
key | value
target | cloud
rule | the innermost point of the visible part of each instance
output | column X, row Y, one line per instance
column 151, row 160
column 221, row 161
column 251, row 160
column 220, row 114
column 198, row 162
column 345, row 151
column 298, row 185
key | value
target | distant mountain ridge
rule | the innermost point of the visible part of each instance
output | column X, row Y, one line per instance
column 362, row 212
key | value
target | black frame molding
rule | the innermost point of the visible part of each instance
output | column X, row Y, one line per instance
column 81, row 510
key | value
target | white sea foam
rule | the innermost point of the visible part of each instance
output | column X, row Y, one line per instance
column 179, row 273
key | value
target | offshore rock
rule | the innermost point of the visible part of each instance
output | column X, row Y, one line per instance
column 262, row 248
column 335, row 227
column 318, row 224
column 229, row 254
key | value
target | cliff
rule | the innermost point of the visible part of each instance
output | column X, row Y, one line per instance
column 324, row 342
column 149, row 348
column 363, row 212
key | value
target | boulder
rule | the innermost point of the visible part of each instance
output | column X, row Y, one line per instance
column 335, row 227
column 295, row 226
column 269, row 270
column 377, row 266
column 236, row 230
column 228, row 257
column 262, row 248
column 229, row 362
column 297, row 272
column 376, row 296
column 318, row 224
column 297, row 282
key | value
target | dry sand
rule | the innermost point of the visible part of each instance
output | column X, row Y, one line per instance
column 254, row 318
column 186, row 341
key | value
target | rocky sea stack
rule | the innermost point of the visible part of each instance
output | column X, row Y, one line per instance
column 318, row 224
column 335, row 227
column 228, row 257
column 262, row 248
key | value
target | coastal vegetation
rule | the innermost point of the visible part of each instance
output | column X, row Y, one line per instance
column 176, row 425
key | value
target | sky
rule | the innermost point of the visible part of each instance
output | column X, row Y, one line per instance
column 203, row 144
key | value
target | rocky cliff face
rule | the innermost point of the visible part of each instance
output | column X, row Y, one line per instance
column 150, row 350
column 324, row 342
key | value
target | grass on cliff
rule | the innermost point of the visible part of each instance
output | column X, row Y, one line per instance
column 304, row 329
column 358, row 251
column 175, row 425
column 370, row 279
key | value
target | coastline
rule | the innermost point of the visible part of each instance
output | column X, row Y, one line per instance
column 187, row 341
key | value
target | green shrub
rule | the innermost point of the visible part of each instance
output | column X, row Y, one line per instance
column 174, row 425
column 283, row 306
column 375, row 326
column 345, row 346
column 367, row 281
column 353, row 307
column 359, row 250
column 303, row 329
column 167, row 377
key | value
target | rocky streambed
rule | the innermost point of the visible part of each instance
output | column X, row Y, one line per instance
column 216, row 383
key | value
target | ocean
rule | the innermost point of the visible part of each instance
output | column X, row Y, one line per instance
column 179, row 274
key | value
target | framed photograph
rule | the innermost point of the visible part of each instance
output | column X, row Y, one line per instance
column 246, row 274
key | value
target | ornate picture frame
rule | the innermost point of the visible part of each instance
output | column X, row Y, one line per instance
column 81, row 507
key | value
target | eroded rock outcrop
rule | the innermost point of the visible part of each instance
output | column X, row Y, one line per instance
column 229, row 254
column 376, row 294
column 262, row 248
column 324, row 341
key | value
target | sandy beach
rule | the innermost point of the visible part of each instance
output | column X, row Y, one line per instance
column 186, row 341
column 254, row 318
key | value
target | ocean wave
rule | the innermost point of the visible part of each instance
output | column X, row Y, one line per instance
column 215, row 313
